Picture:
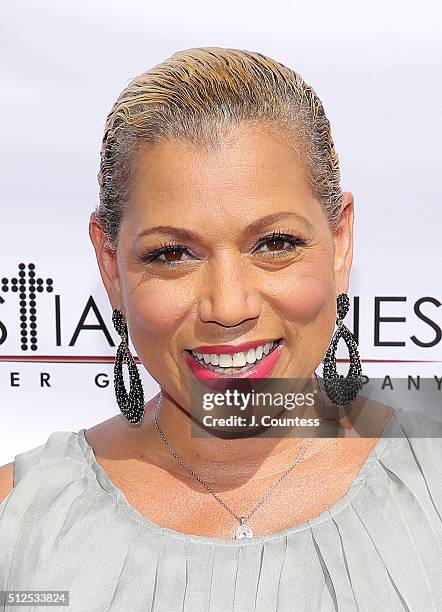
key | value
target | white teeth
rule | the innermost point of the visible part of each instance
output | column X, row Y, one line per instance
column 225, row 360
column 236, row 360
column 251, row 356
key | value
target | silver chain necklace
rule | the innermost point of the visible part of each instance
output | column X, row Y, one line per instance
column 243, row 530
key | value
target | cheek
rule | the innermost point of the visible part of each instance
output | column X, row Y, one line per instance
column 308, row 297
column 156, row 312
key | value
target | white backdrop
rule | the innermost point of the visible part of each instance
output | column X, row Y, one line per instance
column 377, row 69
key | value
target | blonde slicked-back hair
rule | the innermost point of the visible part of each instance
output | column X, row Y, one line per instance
column 197, row 95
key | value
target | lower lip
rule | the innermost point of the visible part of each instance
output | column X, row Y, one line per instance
column 260, row 369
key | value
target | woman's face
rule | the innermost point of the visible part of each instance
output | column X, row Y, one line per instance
column 227, row 281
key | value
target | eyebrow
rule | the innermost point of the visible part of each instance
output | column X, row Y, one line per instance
column 184, row 234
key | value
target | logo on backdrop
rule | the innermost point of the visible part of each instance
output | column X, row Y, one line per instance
column 27, row 285
column 26, row 293
column 29, row 288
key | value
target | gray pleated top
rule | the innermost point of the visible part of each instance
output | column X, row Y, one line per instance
column 377, row 549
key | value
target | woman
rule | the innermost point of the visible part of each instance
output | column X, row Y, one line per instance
column 222, row 222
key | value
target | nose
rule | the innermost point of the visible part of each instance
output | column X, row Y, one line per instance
column 230, row 294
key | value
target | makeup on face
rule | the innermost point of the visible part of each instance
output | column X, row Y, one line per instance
column 226, row 245
column 249, row 360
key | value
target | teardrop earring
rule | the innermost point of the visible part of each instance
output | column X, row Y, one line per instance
column 132, row 404
column 342, row 390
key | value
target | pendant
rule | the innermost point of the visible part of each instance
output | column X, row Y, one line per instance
column 243, row 531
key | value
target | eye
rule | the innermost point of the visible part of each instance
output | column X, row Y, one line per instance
column 170, row 251
column 276, row 240
column 170, row 254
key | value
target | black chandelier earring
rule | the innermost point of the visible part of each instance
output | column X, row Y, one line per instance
column 342, row 390
column 131, row 404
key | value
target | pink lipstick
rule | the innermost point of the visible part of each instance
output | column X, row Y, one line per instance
column 260, row 369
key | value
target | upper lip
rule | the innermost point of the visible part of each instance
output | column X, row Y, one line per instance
column 230, row 348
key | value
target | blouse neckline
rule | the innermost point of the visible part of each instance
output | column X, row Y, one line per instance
column 102, row 480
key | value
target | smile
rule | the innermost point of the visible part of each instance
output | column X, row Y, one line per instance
column 255, row 362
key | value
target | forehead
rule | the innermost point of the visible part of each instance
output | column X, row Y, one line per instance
column 252, row 172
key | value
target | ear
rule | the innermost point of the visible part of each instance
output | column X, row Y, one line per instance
column 107, row 261
column 343, row 241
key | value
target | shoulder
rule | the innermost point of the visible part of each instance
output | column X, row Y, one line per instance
column 35, row 464
column 416, row 457
column 417, row 425
column 423, row 435
column 61, row 455
column 6, row 480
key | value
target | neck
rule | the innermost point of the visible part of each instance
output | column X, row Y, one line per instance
column 214, row 458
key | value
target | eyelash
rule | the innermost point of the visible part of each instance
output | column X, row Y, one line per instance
column 170, row 247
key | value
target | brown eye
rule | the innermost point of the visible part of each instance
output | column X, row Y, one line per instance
column 278, row 242
column 275, row 244
column 172, row 255
column 167, row 255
